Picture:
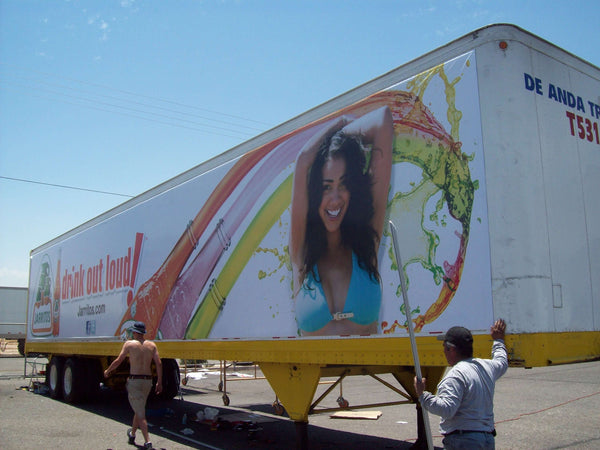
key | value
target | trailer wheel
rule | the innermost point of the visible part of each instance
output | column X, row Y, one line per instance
column 225, row 399
column 21, row 347
column 73, row 380
column 54, row 377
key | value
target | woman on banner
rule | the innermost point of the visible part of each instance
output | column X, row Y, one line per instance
column 339, row 200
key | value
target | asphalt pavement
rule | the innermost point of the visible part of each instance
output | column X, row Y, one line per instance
column 541, row 408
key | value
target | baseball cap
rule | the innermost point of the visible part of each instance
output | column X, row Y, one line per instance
column 458, row 336
column 139, row 327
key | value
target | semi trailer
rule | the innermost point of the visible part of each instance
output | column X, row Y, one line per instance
column 490, row 177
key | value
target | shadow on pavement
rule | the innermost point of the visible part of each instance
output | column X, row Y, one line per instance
column 233, row 428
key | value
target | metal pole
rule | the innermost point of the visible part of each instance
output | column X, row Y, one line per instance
column 411, row 331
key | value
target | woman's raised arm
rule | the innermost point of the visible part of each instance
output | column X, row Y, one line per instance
column 376, row 129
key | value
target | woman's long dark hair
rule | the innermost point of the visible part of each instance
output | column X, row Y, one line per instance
column 356, row 229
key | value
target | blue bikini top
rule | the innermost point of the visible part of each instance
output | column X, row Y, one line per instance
column 362, row 304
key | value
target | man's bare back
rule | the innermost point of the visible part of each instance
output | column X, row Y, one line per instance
column 140, row 355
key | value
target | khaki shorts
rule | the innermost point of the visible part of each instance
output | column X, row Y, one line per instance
column 137, row 391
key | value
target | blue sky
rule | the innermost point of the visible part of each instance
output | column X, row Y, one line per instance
column 119, row 96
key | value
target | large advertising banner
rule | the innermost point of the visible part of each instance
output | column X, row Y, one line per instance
column 292, row 238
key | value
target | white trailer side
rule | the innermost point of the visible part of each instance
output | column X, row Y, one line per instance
column 540, row 118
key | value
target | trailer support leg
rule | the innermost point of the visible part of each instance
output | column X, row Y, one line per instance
column 405, row 376
column 295, row 385
column 301, row 435
column 421, row 442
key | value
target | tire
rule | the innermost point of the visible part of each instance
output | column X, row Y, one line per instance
column 21, row 347
column 74, row 381
column 171, row 379
column 54, row 377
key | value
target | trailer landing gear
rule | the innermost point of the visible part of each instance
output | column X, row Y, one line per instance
column 421, row 442
column 301, row 435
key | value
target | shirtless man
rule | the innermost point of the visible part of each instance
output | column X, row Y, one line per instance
column 141, row 353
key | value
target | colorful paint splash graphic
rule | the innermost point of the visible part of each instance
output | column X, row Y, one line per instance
column 171, row 301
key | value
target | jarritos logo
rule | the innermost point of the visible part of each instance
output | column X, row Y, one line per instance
column 109, row 274
column 41, row 319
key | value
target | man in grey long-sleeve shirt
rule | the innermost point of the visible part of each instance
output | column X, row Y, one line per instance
column 465, row 396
